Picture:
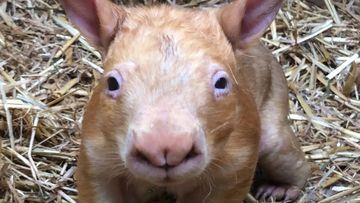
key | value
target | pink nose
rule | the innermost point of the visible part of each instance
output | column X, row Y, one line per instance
column 164, row 150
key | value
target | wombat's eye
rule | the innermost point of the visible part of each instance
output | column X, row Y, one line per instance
column 114, row 81
column 112, row 84
column 221, row 84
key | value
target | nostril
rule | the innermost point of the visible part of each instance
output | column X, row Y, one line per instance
column 140, row 156
column 192, row 154
column 166, row 159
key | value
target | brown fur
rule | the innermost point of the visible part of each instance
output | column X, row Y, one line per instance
column 172, row 70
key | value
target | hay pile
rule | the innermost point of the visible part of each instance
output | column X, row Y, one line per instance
column 47, row 72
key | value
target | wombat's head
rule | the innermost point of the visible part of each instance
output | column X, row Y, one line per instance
column 172, row 105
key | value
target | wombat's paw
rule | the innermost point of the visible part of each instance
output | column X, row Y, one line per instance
column 268, row 192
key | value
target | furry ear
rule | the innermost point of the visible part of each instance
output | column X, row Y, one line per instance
column 97, row 20
column 245, row 21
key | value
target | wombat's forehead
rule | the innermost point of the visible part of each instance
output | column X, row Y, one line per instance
column 167, row 17
column 166, row 25
column 165, row 38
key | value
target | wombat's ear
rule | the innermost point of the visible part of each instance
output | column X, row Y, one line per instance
column 245, row 21
column 97, row 20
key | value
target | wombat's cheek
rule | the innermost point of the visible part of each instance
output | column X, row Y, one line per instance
column 124, row 144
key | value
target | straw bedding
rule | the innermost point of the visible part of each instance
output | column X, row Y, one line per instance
column 47, row 72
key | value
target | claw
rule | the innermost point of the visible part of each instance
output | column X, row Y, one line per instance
column 277, row 192
column 292, row 193
column 259, row 192
column 268, row 192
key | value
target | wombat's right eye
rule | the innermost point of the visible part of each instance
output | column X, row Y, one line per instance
column 114, row 81
column 112, row 84
column 221, row 84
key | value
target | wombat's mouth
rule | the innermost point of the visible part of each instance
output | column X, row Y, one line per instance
column 167, row 175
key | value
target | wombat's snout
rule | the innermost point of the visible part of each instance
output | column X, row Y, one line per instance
column 167, row 149
column 164, row 150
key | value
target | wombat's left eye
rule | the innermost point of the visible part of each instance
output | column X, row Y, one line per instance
column 114, row 82
column 221, row 84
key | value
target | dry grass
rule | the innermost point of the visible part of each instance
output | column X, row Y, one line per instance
column 47, row 72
